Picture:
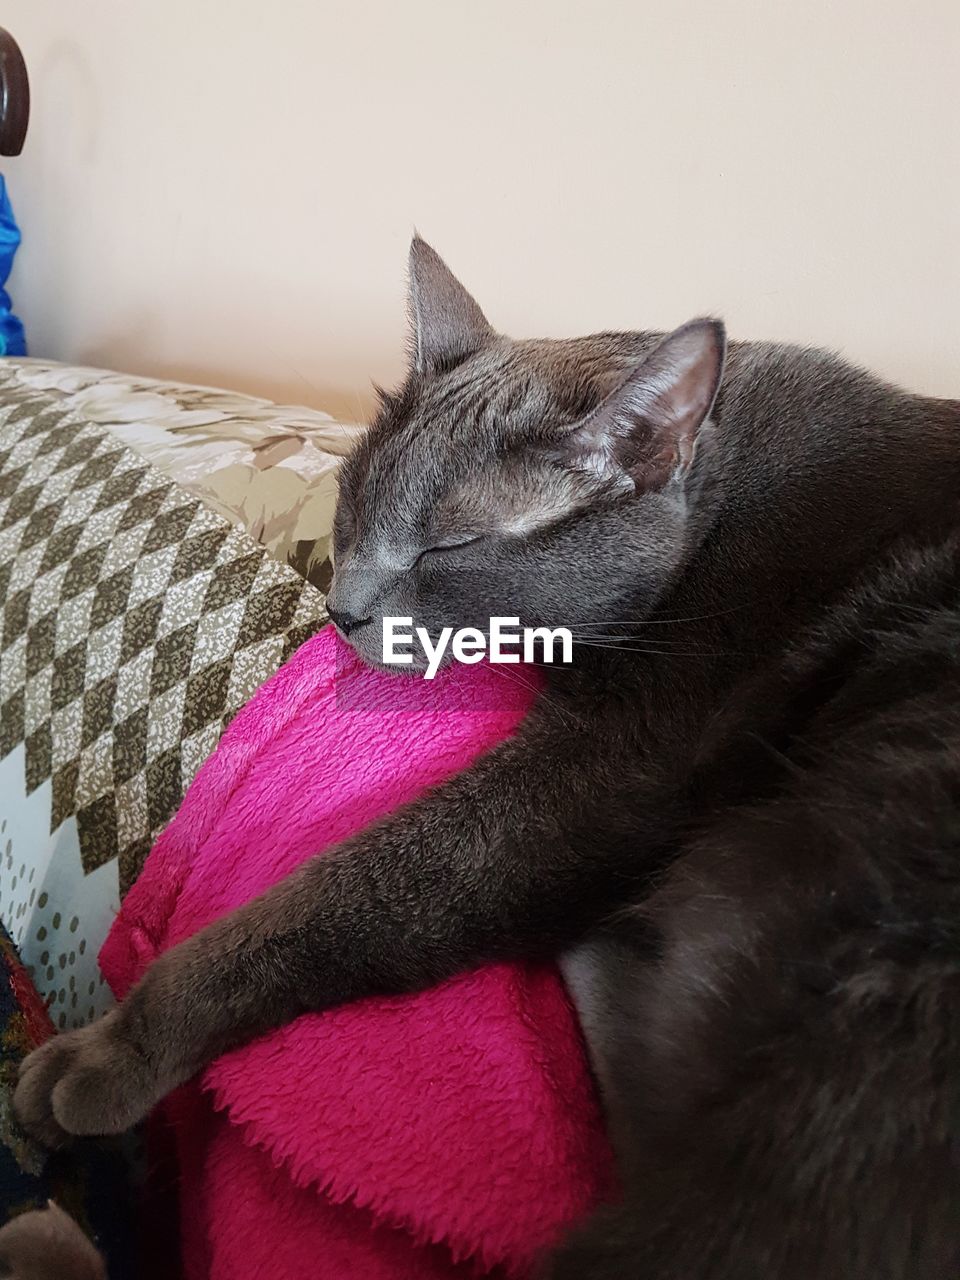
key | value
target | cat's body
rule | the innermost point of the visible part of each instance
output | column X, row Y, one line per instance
column 776, row 1026
column 740, row 805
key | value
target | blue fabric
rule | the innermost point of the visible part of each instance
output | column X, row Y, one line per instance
column 12, row 340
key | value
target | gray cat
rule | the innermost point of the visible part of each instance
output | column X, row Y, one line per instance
column 736, row 811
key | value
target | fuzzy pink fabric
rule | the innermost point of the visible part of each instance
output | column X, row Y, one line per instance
column 440, row 1135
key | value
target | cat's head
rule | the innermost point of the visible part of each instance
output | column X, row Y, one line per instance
column 549, row 481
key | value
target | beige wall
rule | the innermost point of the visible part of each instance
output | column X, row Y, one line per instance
column 224, row 189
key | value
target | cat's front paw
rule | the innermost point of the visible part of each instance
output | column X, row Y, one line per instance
column 87, row 1082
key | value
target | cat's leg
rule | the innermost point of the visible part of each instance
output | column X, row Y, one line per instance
column 801, row 1178
column 786, row 1067
column 607, row 1247
column 509, row 859
column 824, row 1149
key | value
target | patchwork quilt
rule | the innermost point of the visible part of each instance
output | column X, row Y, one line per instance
column 154, row 572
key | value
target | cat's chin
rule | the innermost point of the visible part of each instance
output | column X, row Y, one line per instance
column 415, row 670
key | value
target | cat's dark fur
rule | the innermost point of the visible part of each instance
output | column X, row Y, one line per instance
column 739, row 806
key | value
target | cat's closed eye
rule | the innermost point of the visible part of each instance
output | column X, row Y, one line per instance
column 453, row 543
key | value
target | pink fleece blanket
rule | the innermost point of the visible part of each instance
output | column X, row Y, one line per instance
column 440, row 1135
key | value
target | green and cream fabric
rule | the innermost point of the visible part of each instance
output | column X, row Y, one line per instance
column 270, row 468
column 135, row 620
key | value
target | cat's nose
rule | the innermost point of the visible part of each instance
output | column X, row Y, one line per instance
column 346, row 622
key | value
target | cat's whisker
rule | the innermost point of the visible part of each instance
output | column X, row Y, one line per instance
column 668, row 653
column 541, row 694
column 613, row 635
column 661, row 622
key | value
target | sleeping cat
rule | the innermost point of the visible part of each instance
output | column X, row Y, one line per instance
column 736, row 812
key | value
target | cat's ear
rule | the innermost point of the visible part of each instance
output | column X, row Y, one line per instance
column 446, row 323
column 645, row 431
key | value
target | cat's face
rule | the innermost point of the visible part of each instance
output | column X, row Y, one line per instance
column 539, row 480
